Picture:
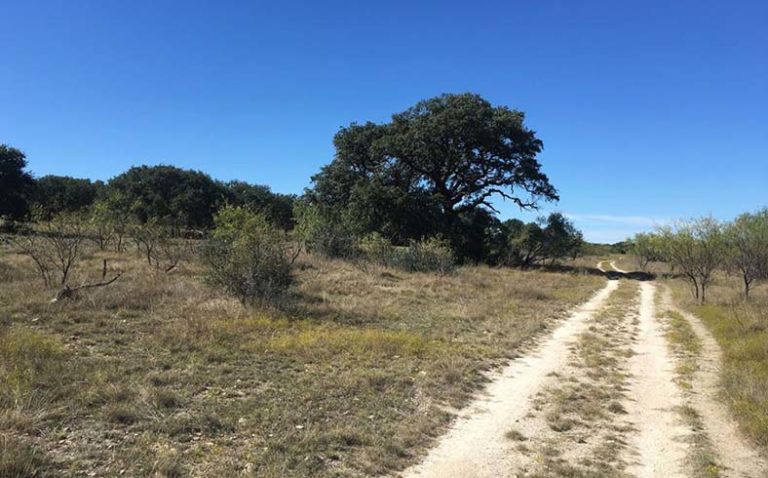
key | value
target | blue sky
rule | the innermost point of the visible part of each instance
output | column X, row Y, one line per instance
column 649, row 110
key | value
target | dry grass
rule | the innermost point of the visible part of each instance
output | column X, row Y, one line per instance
column 741, row 329
column 687, row 346
column 157, row 375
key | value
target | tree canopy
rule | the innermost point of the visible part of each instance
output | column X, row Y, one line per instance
column 434, row 168
column 56, row 194
column 180, row 197
column 276, row 208
column 15, row 183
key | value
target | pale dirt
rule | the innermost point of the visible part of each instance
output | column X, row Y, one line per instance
column 621, row 271
column 736, row 457
column 475, row 446
column 660, row 440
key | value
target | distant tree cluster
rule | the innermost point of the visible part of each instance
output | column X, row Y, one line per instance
column 697, row 248
column 178, row 198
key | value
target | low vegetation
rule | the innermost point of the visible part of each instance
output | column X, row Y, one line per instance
column 159, row 374
column 741, row 330
column 687, row 347
column 245, row 257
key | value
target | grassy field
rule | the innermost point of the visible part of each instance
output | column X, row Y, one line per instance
column 158, row 375
column 741, row 329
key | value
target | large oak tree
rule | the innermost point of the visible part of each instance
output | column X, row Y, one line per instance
column 448, row 156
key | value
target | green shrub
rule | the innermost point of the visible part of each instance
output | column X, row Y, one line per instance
column 324, row 234
column 377, row 248
column 428, row 255
column 245, row 256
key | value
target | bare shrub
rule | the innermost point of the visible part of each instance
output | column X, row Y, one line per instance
column 158, row 246
column 55, row 247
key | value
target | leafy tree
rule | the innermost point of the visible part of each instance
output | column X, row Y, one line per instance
column 645, row 248
column 433, row 169
column 477, row 237
column 747, row 239
column 562, row 238
column 16, row 183
column 696, row 248
column 179, row 197
column 57, row 194
column 526, row 245
column 356, row 190
column 276, row 208
column 548, row 239
column 463, row 151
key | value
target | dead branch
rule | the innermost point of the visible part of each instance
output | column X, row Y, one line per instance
column 69, row 292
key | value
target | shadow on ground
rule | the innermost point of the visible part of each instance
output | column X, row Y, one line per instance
column 613, row 275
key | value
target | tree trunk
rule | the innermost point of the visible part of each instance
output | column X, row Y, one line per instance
column 747, row 284
column 695, row 288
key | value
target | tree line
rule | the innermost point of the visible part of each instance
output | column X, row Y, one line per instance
column 698, row 248
column 180, row 198
column 416, row 192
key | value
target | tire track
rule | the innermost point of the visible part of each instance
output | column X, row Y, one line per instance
column 736, row 457
column 662, row 440
column 476, row 445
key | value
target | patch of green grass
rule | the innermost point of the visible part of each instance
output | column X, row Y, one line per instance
column 686, row 344
column 702, row 456
column 742, row 332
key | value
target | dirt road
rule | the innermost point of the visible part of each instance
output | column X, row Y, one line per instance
column 598, row 397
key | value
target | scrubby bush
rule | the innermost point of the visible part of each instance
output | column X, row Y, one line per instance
column 428, row 255
column 245, row 256
column 379, row 249
column 323, row 233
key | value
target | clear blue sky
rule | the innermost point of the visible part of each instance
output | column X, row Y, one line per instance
column 648, row 110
